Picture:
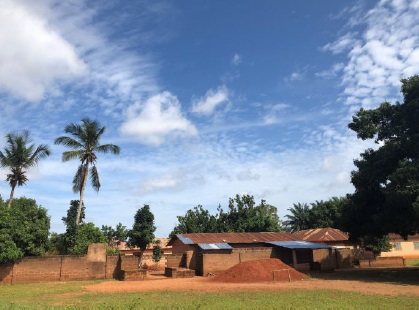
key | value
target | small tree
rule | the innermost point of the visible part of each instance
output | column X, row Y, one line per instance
column 377, row 244
column 142, row 232
column 156, row 251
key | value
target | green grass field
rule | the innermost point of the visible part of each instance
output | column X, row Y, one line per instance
column 412, row 262
column 71, row 295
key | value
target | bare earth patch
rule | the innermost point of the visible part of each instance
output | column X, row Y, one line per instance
column 203, row 284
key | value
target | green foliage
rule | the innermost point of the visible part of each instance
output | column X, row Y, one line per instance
column 242, row 215
column 299, row 219
column 77, row 238
column 119, row 233
column 19, row 155
column 87, row 233
column 377, row 244
column 386, row 181
column 195, row 221
column 9, row 252
column 317, row 215
column 23, row 230
column 142, row 232
column 157, row 251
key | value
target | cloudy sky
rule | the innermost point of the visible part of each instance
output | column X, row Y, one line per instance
column 207, row 99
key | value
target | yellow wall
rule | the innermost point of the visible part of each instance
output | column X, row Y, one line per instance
column 407, row 250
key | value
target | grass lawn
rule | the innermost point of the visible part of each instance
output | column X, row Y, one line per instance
column 412, row 262
column 72, row 295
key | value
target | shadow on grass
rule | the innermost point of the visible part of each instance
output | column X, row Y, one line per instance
column 402, row 276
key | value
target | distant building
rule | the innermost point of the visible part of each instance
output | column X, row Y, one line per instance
column 403, row 248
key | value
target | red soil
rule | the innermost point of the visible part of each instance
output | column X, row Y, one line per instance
column 261, row 270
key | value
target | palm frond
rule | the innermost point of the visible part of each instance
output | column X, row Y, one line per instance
column 108, row 148
column 78, row 179
column 94, row 176
column 69, row 142
column 69, row 155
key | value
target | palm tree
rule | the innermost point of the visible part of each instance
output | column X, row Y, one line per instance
column 19, row 155
column 84, row 142
column 299, row 218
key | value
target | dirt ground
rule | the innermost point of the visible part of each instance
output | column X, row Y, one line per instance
column 157, row 282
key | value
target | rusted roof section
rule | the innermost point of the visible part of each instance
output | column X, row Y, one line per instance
column 248, row 237
column 396, row 237
column 327, row 234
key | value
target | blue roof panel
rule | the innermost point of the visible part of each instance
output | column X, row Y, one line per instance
column 300, row 245
column 185, row 240
column 215, row 246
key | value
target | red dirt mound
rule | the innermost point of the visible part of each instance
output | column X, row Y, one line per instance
column 261, row 270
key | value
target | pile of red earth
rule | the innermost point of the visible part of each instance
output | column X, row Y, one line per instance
column 270, row 269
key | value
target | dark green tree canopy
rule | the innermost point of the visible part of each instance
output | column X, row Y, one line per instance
column 24, row 230
column 195, row 220
column 317, row 215
column 242, row 215
column 386, row 181
column 142, row 232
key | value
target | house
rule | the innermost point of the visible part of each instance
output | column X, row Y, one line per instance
column 403, row 248
column 214, row 252
column 331, row 236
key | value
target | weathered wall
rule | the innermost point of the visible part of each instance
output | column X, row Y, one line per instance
column 344, row 258
column 325, row 258
column 382, row 262
column 95, row 265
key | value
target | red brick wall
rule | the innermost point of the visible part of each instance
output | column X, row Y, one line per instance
column 95, row 265
column 176, row 260
column 37, row 269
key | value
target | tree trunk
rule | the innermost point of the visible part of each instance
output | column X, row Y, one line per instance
column 11, row 196
column 83, row 186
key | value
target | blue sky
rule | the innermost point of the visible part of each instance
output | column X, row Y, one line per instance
column 207, row 99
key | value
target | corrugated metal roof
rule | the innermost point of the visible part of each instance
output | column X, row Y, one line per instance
column 184, row 239
column 215, row 246
column 300, row 245
column 321, row 235
column 257, row 237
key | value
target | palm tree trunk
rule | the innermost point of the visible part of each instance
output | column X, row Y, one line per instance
column 11, row 195
column 83, row 187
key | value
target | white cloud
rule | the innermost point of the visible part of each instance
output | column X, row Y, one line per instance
column 213, row 98
column 236, row 60
column 272, row 113
column 343, row 43
column 386, row 51
column 33, row 55
column 156, row 120
column 332, row 72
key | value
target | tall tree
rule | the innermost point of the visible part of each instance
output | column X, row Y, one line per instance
column 242, row 215
column 195, row 220
column 19, row 155
column 299, row 219
column 85, row 144
column 386, row 181
column 142, row 232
